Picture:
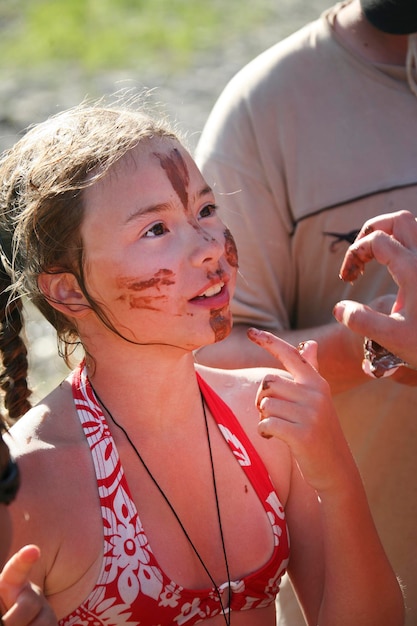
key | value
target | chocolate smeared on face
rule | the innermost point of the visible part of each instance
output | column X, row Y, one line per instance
column 230, row 249
column 146, row 302
column 177, row 172
column 220, row 324
column 162, row 277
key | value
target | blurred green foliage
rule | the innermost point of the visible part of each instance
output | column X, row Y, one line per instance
column 112, row 34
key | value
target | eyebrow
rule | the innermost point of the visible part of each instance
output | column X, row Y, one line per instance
column 162, row 207
column 142, row 211
column 205, row 191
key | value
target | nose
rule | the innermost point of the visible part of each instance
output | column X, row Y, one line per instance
column 206, row 247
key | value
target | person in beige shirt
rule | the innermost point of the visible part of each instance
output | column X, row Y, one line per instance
column 309, row 140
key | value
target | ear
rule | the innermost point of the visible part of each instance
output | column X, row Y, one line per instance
column 63, row 293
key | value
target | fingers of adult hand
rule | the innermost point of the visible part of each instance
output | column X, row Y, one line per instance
column 17, row 569
column 378, row 245
column 293, row 360
column 382, row 328
column 360, row 318
column 400, row 224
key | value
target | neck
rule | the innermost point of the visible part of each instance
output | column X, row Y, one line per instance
column 372, row 44
column 146, row 384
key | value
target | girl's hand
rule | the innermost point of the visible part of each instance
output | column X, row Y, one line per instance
column 300, row 412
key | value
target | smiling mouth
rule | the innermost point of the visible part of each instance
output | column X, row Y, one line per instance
column 211, row 291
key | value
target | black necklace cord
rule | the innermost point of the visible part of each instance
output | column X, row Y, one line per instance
column 217, row 505
column 225, row 609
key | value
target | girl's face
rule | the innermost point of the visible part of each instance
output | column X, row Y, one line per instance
column 158, row 258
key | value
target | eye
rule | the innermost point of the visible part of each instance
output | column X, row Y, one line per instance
column 208, row 211
column 156, row 230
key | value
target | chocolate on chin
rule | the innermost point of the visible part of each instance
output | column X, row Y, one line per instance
column 378, row 361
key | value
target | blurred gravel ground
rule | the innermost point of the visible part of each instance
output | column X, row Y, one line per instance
column 29, row 96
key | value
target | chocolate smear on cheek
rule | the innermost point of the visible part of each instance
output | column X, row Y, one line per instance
column 162, row 278
column 220, row 324
column 230, row 249
column 177, row 172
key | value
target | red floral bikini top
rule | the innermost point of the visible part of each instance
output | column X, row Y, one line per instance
column 132, row 590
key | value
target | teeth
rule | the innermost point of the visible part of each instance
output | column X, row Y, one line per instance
column 212, row 291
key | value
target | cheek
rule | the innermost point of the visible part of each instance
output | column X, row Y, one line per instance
column 150, row 293
column 230, row 249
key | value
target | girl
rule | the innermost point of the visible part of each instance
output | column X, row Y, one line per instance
column 145, row 480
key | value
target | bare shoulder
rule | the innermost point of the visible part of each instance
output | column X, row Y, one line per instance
column 44, row 443
column 56, row 481
column 237, row 387
column 49, row 424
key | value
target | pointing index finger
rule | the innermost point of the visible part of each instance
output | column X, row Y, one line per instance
column 293, row 359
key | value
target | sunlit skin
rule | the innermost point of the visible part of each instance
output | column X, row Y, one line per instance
column 21, row 603
column 160, row 250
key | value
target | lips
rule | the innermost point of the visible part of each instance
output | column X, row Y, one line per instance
column 211, row 293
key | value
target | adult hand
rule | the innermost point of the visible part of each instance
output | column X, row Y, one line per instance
column 24, row 602
column 300, row 412
column 391, row 240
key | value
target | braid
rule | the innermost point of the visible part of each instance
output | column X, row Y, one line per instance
column 13, row 377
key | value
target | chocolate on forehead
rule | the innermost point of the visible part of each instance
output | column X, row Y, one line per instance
column 177, row 172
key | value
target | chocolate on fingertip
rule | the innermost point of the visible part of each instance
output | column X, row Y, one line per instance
column 261, row 430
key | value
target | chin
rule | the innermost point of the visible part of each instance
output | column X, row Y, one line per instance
column 221, row 324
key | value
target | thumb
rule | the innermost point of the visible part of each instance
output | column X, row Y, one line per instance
column 16, row 572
